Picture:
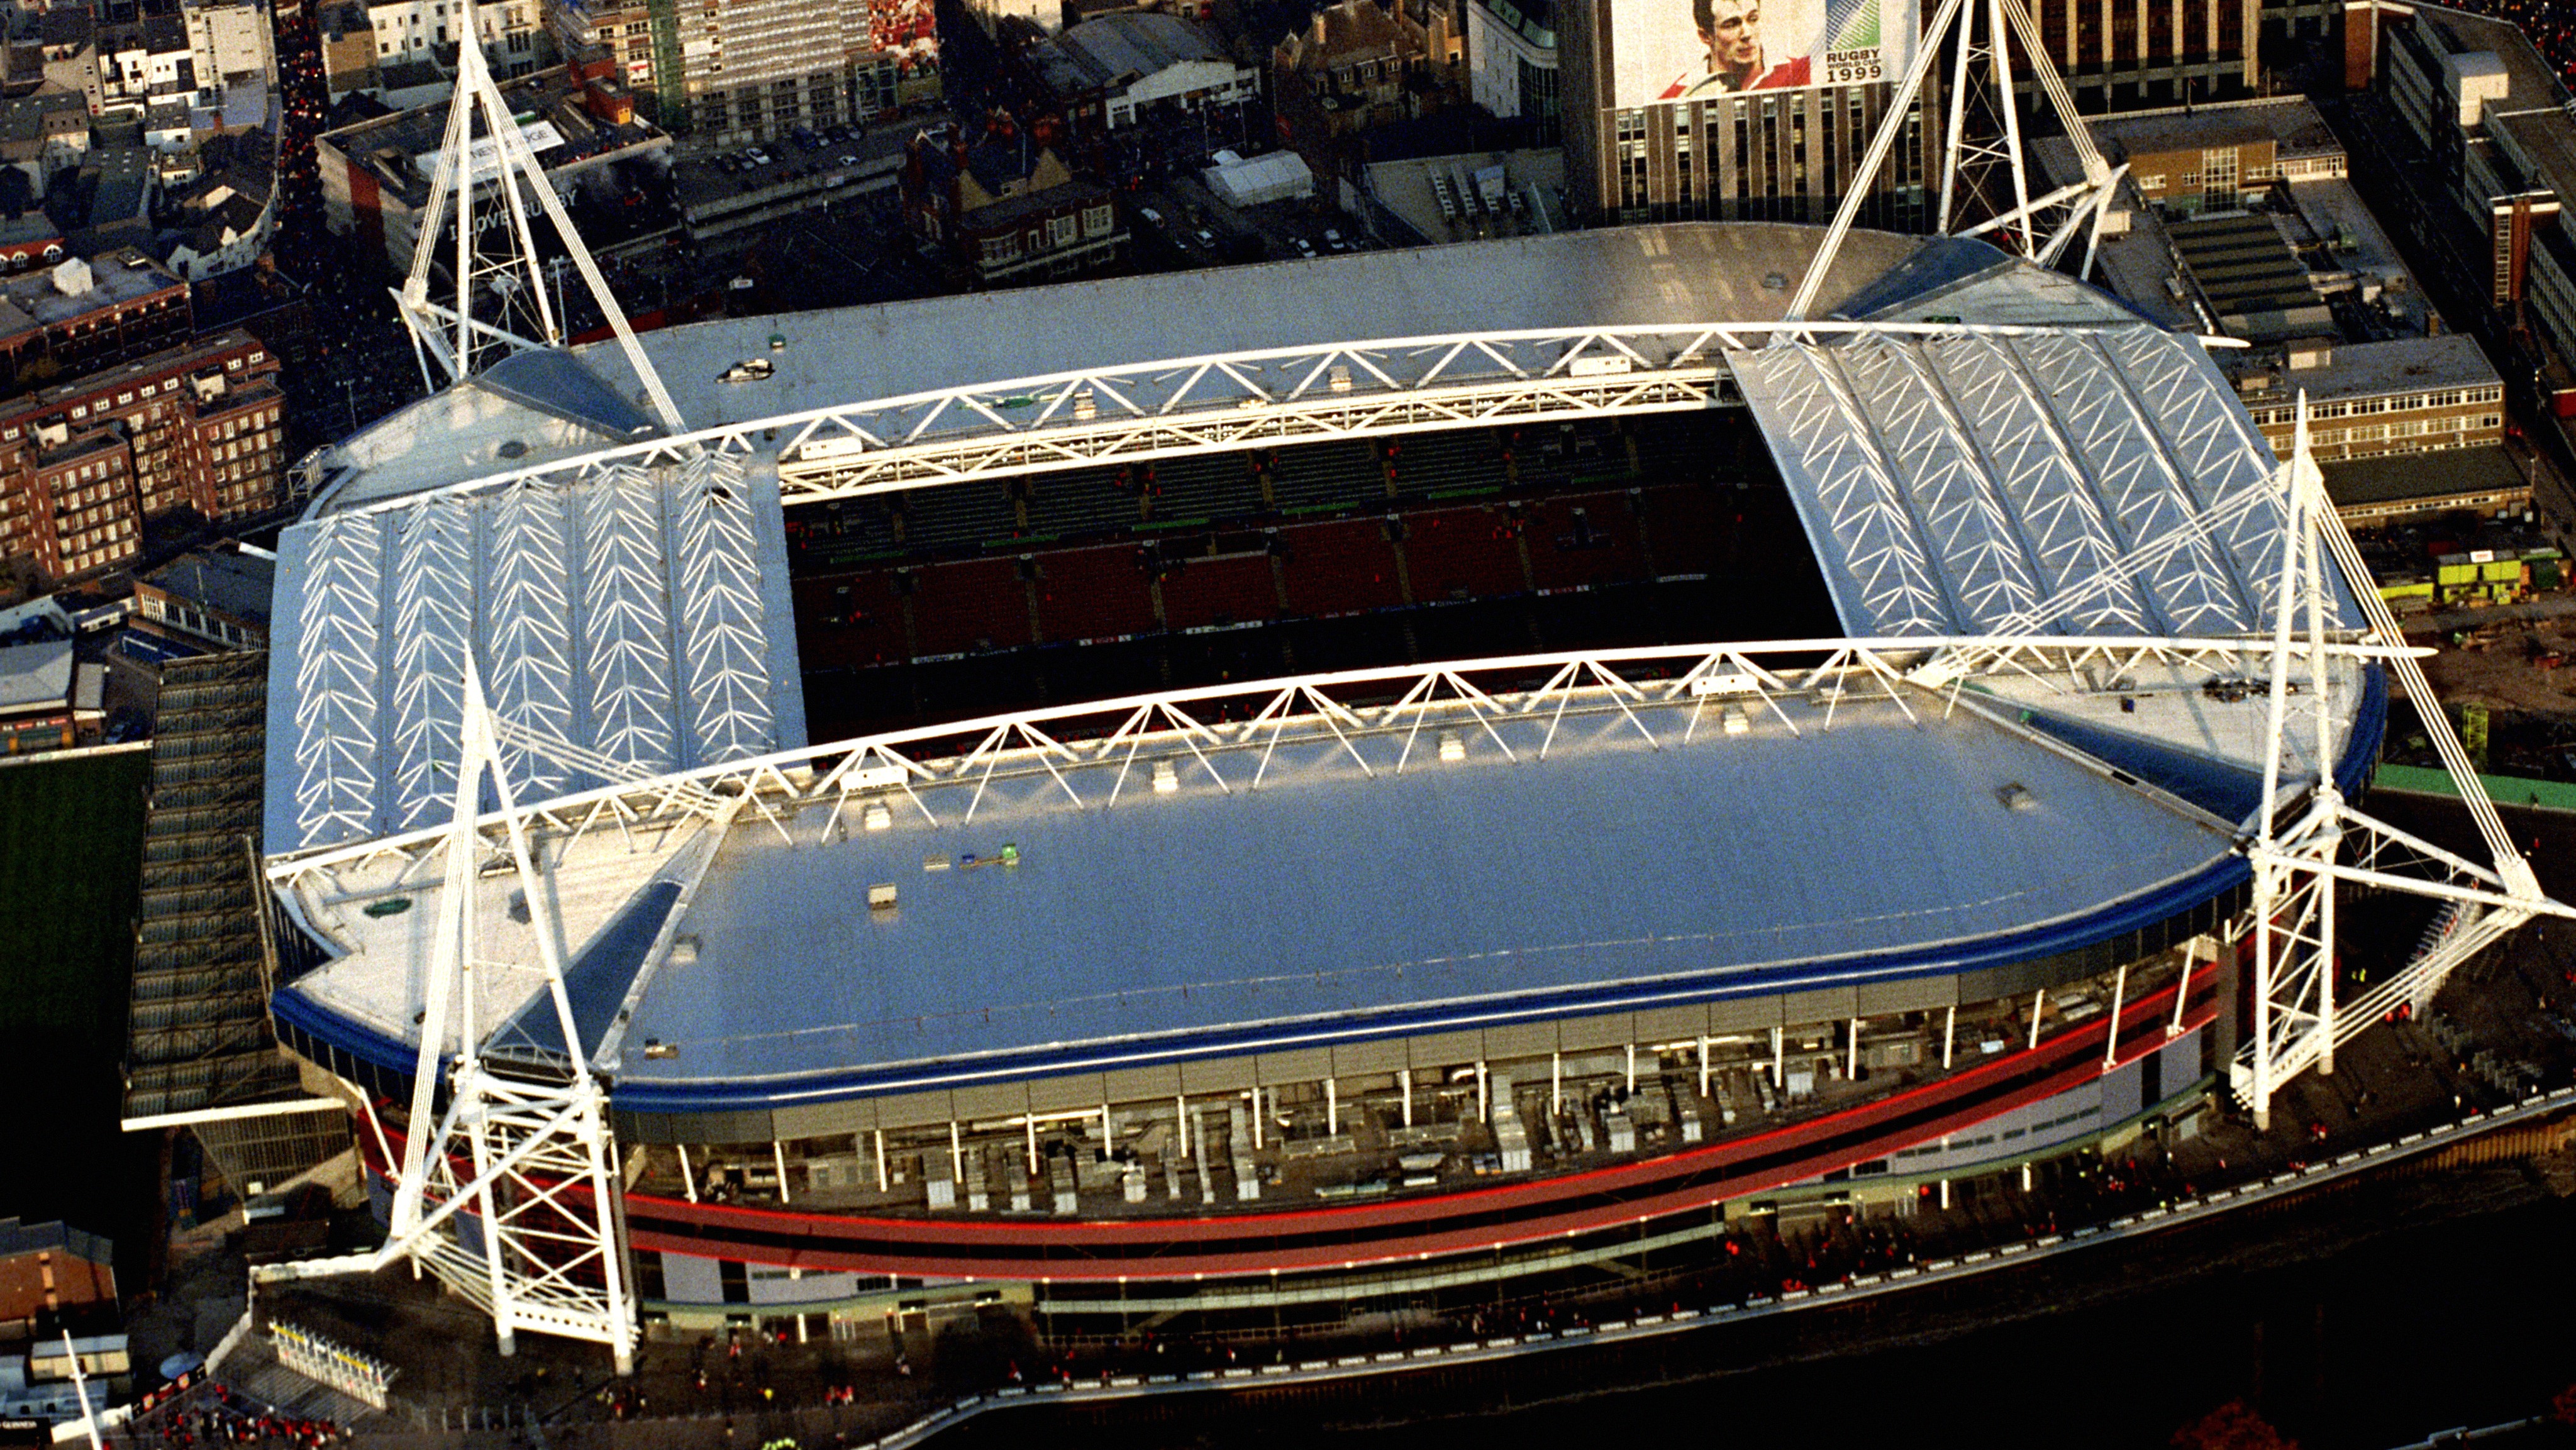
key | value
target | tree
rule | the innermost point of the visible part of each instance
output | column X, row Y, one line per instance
column 2232, row 1426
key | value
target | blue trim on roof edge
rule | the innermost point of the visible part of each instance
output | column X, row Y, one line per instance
column 292, row 1011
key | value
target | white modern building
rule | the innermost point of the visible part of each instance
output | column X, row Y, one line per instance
column 230, row 41
column 415, row 30
column 1511, row 59
column 1046, row 16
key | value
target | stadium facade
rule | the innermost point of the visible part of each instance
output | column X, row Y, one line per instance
column 1302, row 991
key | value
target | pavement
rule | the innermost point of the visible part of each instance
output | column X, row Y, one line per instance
column 2457, row 619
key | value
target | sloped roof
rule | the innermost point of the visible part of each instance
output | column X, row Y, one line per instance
column 640, row 617
column 35, row 676
column 556, row 382
column 1138, row 43
column 1972, row 485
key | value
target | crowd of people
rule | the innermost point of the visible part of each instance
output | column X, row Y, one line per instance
column 362, row 367
column 219, row 1415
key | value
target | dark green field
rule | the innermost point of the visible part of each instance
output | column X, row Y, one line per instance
column 71, row 837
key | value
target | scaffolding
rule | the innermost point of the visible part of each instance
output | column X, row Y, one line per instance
column 200, row 1051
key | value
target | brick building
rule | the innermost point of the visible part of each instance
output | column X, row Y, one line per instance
column 47, row 1268
column 84, row 463
column 2221, row 158
column 1007, row 216
column 87, row 312
column 1355, row 61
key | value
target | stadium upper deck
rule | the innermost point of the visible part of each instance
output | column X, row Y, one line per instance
column 753, row 923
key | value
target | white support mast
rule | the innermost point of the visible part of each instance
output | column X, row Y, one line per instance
column 495, row 300
column 2309, row 838
column 1985, row 177
column 519, row 1148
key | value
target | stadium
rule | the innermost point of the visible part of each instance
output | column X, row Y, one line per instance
column 1224, row 794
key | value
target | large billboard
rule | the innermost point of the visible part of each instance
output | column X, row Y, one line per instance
column 1686, row 50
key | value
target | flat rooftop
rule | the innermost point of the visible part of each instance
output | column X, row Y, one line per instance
column 2291, row 124
column 2335, row 214
column 709, row 191
column 2395, row 477
column 237, row 581
column 1537, row 177
column 2543, row 141
column 2530, row 82
column 2395, row 367
column 551, row 113
column 32, row 300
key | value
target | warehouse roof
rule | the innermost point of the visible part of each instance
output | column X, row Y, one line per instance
column 2392, row 477
column 35, row 676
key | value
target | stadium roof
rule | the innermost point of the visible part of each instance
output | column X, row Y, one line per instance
column 1681, row 274
column 2092, row 475
column 1677, row 274
column 1990, row 485
column 1062, row 915
column 641, row 620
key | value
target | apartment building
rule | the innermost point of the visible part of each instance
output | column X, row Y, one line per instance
column 729, row 72
column 85, row 312
column 84, row 463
